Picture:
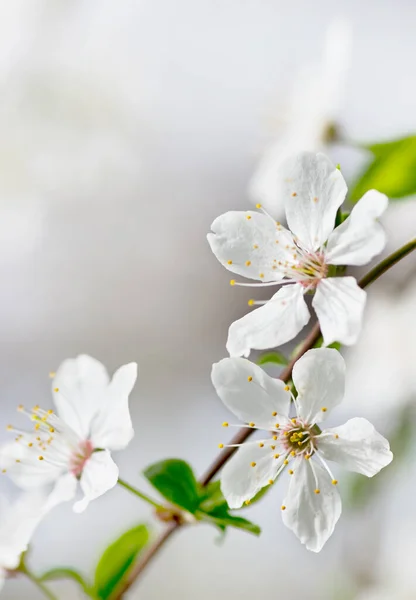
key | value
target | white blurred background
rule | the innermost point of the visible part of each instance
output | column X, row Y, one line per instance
column 125, row 129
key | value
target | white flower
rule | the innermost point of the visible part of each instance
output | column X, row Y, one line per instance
column 254, row 245
column 315, row 106
column 74, row 444
column 18, row 521
column 312, row 506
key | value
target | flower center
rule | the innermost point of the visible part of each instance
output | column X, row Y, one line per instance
column 80, row 456
column 297, row 438
column 309, row 269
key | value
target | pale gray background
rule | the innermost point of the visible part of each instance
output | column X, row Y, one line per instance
column 125, row 128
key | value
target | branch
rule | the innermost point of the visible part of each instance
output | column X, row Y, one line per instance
column 244, row 433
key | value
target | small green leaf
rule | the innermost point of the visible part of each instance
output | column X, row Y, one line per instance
column 117, row 560
column 211, row 496
column 175, row 480
column 67, row 573
column 334, row 345
column 392, row 170
column 214, row 509
column 277, row 358
column 220, row 517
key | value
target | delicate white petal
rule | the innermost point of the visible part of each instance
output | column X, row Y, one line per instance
column 64, row 490
column 250, row 244
column 112, row 428
column 313, row 190
column 20, row 522
column 312, row 517
column 81, row 383
column 249, row 392
column 275, row 323
column 24, row 468
column 360, row 237
column 99, row 475
column 357, row 446
column 240, row 481
column 319, row 377
column 339, row 304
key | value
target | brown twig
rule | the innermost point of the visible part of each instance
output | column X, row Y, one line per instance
column 244, row 433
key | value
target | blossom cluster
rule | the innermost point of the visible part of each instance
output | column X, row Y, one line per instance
column 65, row 454
column 308, row 258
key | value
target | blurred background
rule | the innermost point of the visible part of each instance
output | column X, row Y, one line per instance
column 125, row 129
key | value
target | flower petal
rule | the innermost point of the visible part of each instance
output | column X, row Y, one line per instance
column 357, row 446
column 99, row 475
column 112, row 428
column 339, row 304
column 275, row 323
column 313, row 190
column 81, row 383
column 249, row 392
column 311, row 516
column 64, row 490
column 360, row 237
column 319, row 377
column 240, row 481
column 250, row 244
column 21, row 519
column 25, row 469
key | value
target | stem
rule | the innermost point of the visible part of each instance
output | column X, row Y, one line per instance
column 140, row 494
column 37, row 583
column 244, row 433
column 387, row 263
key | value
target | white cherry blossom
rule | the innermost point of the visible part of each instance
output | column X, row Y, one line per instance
column 92, row 418
column 18, row 521
column 312, row 505
column 254, row 245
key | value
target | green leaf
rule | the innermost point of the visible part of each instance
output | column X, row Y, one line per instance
column 214, row 509
column 211, row 497
column 277, row 358
column 334, row 345
column 220, row 517
column 117, row 560
column 392, row 170
column 67, row 573
column 175, row 480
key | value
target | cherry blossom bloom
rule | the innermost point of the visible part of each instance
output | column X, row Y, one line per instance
column 254, row 245
column 92, row 418
column 312, row 116
column 18, row 521
column 312, row 505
